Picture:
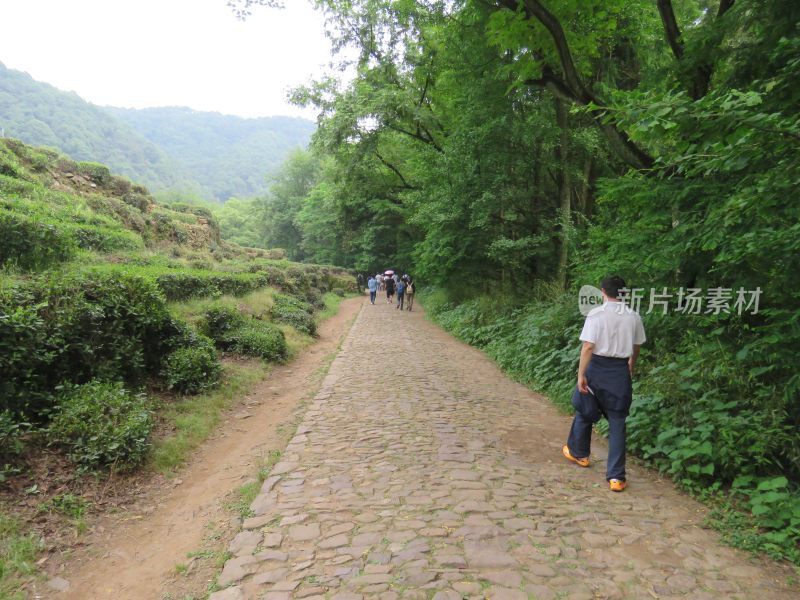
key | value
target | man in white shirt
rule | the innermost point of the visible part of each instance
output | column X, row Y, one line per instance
column 611, row 336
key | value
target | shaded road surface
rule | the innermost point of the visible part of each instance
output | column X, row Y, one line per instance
column 421, row 471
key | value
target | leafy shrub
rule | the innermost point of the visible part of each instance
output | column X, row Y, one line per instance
column 276, row 254
column 193, row 209
column 294, row 312
column 103, row 239
column 137, row 200
column 775, row 505
column 9, row 163
column 220, row 321
column 119, row 211
column 11, row 442
column 201, row 264
column 189, row 284
column 102, row 424
column 77, row 328
column 98, row 173
column 192, row 369
column 31, row 244
column 120, row 185
column 260, row 339
column 314, row 298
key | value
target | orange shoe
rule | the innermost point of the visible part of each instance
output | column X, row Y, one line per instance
column 581, row 462
column 616, row 485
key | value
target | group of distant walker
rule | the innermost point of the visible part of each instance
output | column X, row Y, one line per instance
column 400, row 287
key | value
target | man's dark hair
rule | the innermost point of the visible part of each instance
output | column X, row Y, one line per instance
column 612, row 285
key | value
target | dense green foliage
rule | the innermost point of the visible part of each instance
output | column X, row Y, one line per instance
column 75, row 328
column 31, row 244
column 102, row 424
column 294, row 312
column 259, row 339
column 234, row 331
column 182, row 286
column 192, row 369
column 176, row 151
column 509, row 152
column 220, row 321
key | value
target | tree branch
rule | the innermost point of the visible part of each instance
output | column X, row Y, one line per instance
column 571, row 88
column 619, row 141
column 555, row 85
column 553, row 26
column 724, row 6
column 417, row 137
column 395, row 170
column 671, row 27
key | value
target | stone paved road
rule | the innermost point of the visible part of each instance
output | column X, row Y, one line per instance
column 421, row 471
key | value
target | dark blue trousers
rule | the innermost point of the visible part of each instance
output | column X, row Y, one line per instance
column 610, row 381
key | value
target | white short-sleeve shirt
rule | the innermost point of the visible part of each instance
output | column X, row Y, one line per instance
column 614, row 329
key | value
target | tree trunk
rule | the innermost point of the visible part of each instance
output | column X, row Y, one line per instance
column 584, row 192
column 564, row 192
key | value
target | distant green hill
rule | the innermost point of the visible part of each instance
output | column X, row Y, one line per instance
column 229, row 155
column 42, row 115
column 209, row 155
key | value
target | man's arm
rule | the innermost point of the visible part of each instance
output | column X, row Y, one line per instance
column 633, row 358
column 586, row 356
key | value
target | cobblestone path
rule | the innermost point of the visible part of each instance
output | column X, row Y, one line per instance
column 421, row 471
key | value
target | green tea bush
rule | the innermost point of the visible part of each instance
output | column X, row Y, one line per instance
column 195, row 284
column 102, row 424
column 316, row 299
column 137, row 200
column 9, row 162
column 11, row 442
column 294, row 312
column 235, row 332
column 102, row 239
column 120, row 212
column 31, row 244
column 260, row 339
column 220, row 322
column 75, row 328
column 192, row 369
column 98, row 173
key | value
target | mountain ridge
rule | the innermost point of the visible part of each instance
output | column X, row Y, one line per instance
column 175, row 151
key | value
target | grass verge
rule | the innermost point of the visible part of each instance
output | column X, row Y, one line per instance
column 19, row 549
column 332, row 302
column 195, row 417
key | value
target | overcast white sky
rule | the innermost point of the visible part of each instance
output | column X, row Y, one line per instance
column 142, row 53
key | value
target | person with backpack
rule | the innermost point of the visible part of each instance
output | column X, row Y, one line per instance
column 410, row 293
column 401, row 290
column 372, row 284
column 389, row 283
